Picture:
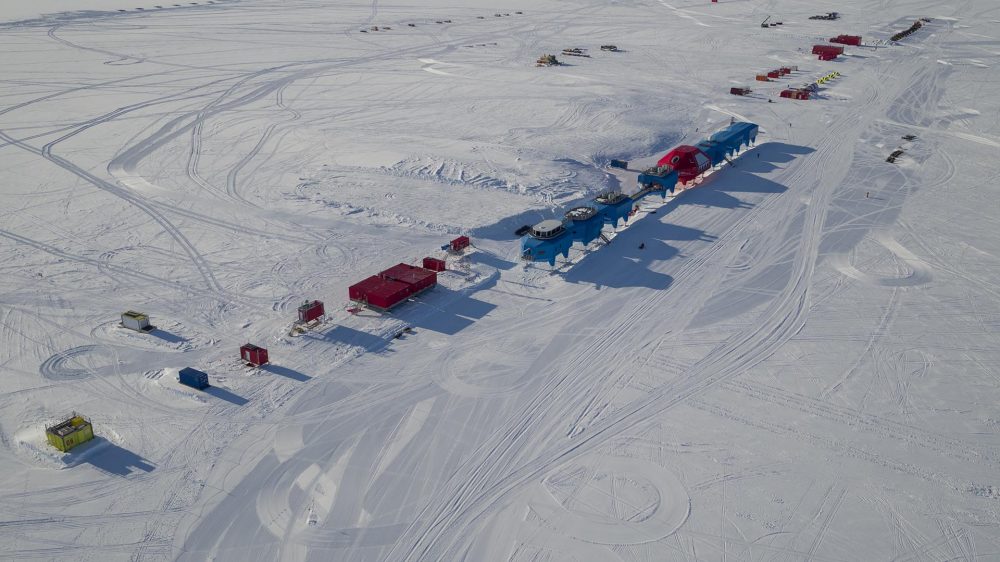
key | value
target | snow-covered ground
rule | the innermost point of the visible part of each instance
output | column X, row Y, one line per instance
column 802, row 364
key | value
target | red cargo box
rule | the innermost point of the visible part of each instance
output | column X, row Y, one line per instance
column 253, row 354
column 460, row 243
column 435, row 264
column 854, row 40
column 795, row 94
column 310, row 311
column 774, row 74
column 380, row 293
column 827, row 49
column 416, row 277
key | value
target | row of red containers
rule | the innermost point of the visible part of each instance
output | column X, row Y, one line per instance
column 777, row 73
column 392, row 286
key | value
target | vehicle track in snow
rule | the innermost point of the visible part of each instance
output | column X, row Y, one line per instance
column 884, row 427
column 438, row 534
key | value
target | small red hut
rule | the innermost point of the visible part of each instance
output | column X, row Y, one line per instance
column 311, row 310
column 254, row 355
column 854, row 40
column 774, row 74
column 435, row 264
column 460, row 243
column 795, row 94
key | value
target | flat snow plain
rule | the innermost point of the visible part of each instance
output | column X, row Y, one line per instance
column 802, row 364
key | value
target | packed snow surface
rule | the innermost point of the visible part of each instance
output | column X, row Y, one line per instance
column 802, row 363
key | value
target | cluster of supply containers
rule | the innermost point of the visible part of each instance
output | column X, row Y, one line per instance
column 828, row 77
column 392, row 286
column 906, row 32
column 776, row 73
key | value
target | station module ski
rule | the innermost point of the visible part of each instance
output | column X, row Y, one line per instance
column 551, row 238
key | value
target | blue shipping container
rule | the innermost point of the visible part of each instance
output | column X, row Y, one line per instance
column 193, row 378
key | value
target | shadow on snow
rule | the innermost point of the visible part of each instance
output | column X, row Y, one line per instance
column 623, row 264
column 285, row 372
column 110, row 458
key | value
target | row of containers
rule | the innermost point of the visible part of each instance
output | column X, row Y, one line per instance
column 823, row 52
column 394, row 286
column 584, row 224
column 793, row 93
column 382, row 292
column 776, row 73
column 804, row 92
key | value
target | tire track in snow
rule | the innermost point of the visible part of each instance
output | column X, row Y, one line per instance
column 437, row 535
column 892, row 430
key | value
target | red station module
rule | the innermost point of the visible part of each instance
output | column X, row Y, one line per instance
column 460, row 243
column 417, row 278
column 392, row 286
column 379, row 292
column 689, row 162
column 254, row 355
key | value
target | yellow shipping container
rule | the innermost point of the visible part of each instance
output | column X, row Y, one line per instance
column 70, row 433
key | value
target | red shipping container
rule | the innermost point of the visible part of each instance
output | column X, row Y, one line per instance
column 854, row 40
column 310, row 311
column 253, row 354
column 435, row 264
column 795, row 94
column 460, row 243
column 827, row 49
column 416, row 277
column 773, row 74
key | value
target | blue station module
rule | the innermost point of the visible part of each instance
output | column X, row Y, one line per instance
column 552, row 237
column 583, row 224
column 663, row 176
column 728, row 141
